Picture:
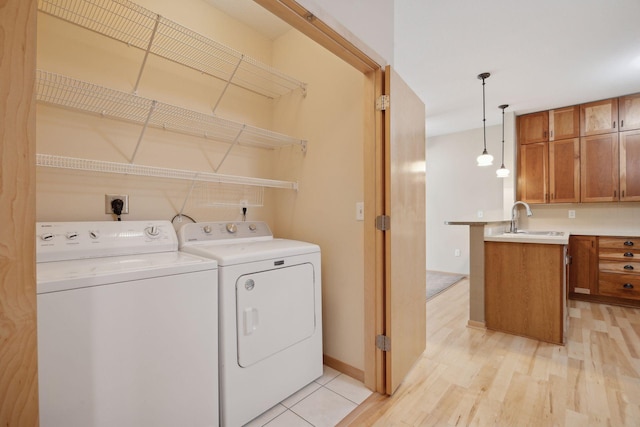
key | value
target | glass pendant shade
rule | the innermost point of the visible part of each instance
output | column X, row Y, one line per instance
column 502, row 172
column 485, row 159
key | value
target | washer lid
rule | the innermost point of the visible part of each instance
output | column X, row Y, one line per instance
column 244, row 252
column 73, row 274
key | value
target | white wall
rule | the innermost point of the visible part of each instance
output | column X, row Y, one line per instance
column 368, row 24
column 457, row 189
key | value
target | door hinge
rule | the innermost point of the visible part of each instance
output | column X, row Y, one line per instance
column 383, row 343
column 382, row 103
column 383, row 222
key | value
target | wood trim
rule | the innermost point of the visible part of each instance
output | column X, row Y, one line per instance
column 18, row 343
column 476, row 325
column 364, row 410
column 602, row 299
column 344, row 368
column 317, row 30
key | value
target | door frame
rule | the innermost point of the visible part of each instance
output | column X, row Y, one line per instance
column 374, row 243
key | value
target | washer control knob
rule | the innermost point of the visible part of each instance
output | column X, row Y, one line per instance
column 152, row 231
column 47, row 237
column 72, row 235
column 94, row 234
column 252, row 227
column 232, row 228
column 207, row 229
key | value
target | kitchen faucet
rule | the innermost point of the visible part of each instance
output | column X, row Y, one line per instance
column 514, row 222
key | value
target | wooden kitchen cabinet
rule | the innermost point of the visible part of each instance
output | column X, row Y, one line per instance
column 630, row 166
column 583, row 265
column 533, row 128
column 564, row 123
column 525, row 290
column 549, row 172
column 599, row 117
column 629, row 112
column 599, row 169
column 619, row 267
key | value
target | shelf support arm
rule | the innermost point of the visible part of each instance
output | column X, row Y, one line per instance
column 146, row 53
column 193, row 184
column 233, row 144
column 233, row 74
column 144, row 128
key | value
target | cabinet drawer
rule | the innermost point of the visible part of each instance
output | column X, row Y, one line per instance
column 619, row 242
column 631, row 267
column 621, row 255
column 619, row 285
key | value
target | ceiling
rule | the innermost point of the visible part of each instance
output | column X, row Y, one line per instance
column 541, row 54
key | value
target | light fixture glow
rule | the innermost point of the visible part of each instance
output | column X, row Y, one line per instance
column 485, row 159
column 502, row 172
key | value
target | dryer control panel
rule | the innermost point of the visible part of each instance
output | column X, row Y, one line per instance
column 224, row 232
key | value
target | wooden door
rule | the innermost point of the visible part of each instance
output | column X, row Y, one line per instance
column 564, row 171
column 533, row 128
column 533, row 176
column 630, row 166
column 564, row 123
column 18, row 356
column 629, row 112
column 405, row 246
column 599, row 169
column 583, row 268
column 599, row 117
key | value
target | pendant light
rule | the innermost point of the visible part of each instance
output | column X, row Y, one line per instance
column 485, row 159
column 502, row 172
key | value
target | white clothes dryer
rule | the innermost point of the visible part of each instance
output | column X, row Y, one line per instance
column 127, row 327
column 270, row 336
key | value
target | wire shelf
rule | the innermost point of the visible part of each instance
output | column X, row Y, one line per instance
column 70, row 93
column 54, row 161
column 141, row 28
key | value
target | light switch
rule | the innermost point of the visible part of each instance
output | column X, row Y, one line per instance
column 360, row 211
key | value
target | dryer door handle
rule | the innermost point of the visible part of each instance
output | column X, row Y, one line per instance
column 251, row 320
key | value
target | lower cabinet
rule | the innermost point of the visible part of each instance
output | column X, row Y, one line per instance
column 605, row 269
column 525, row 291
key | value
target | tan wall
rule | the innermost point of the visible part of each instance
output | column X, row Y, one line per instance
column 331, row 182
column 330, row 174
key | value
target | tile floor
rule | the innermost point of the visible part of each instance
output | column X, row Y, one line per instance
column 323, row 403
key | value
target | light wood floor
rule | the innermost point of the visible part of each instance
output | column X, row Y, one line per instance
column 473, row 377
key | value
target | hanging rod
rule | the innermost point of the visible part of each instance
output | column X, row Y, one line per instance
column 150, row 32
column 54, row 161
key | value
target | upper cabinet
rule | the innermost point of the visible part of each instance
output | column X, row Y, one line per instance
column 629, row 112
column 599, row 168
column 564, row 123
column 533, row 128
column 599, row 117
column 630, row 166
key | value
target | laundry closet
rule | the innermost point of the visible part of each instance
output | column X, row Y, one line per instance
column 189, row 143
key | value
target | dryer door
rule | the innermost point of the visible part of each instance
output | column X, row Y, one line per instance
column 275, row 309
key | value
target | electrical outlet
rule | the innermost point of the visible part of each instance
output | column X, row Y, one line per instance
column 360, row 211
column 456, row 252
column 480, row 214
column 572, row 213
column 108, row 198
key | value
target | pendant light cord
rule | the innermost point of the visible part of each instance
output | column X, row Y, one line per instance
column 484, row 126
column 503, row 107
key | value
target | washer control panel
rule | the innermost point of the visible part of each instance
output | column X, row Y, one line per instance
column 58, row 241
column 223, row 232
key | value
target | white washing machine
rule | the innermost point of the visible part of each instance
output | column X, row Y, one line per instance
column 127, row 327
column 270, row 331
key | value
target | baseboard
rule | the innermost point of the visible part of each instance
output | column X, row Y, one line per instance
column 476, row 325
column 344, row 368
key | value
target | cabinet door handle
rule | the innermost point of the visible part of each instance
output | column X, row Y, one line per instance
column 628, row 243
column 615, row 193
column 551, row 133
column 622, row 123
column 628, row 254
column 628, row 267
column 627, row 286
column 614, row 124
column 544, row 134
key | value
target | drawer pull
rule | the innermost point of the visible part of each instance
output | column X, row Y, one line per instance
column 628, row 267
column 628, row 254
column 628, row 243
column 627, row 286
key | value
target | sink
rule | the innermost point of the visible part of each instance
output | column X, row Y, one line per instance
column 539, row 233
